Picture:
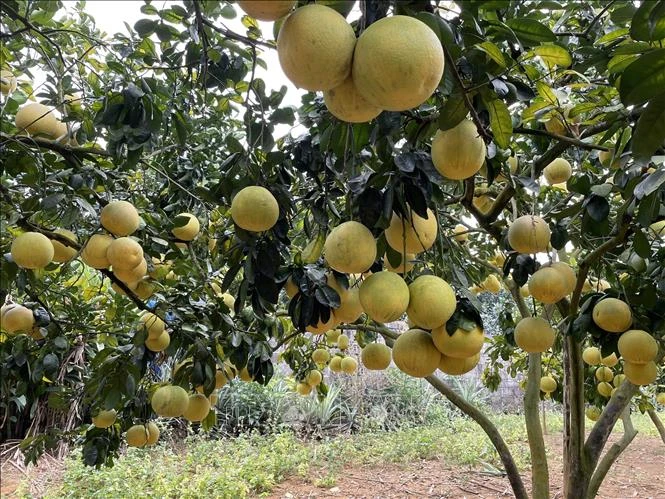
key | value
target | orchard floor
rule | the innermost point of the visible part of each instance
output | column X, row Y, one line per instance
column 638, row 473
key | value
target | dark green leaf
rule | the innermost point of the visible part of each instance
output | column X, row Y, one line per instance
column 648, row 23
column 649, row 133
column 500, row 121
column 643, row 79
column 641, row 244
column 530, row 32
column 145, row 27
column 598, row 208
column 453, row 112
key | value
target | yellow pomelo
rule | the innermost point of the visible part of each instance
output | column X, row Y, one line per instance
column 431, row 301
column 513, row 164
column 349, row 365
column 245, row 376
column 8, row 82
column 612, row 315
column 169, row 401
column 376, row 356
column 290, row 288
column 398, row 63
column 640, row 374
column 230, row 301
column 405, row 265
column 134, row 274
column 637, row 347
column 567, row 273
column 533, row 335
column 524, row 291
column 660, row 398
column 104, row 419
column 529, row 234
column 153, row 433
column 412, row 234
column 198, row 408
column 460, row 233
column 220, row 379
column 593, row 413
column 605, row 158
column 332, row 336
column 384, row 296
column 137, row 436
column 346, row 104
column 483, row 202
column 188, row 231
column 618, row 379
column 657, row 229
column 547, row 285
column 315, row 47
column 120, row 218
column 558, row 171
column 458, row 153
column 491, row 283
column 342, row 342
column 153, row 324
column 37, row 119
column 461, row 345
column 144, row 289
column 213, row 398
column 335, row 364
column 457, row 367
column 16, row 319
column 62, row 253
column 604, row 373
column 414, row 353
column 73, row 103
column 547, row 384
column 605, row 389
column 350, row 308
column 94, row 252
column 267, row 10
column 303, row 389
column 322, row 327
column 255, row 209
column 314, row 378
column 591, row 356
column 124, row 253
column 610, row 361
column 32, row 250
column 158, row 344
column 320, row 356
column 350, row 248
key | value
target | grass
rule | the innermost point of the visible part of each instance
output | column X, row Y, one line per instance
column 252, row 465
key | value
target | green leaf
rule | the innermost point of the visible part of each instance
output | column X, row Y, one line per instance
column 650, row 129
column 453, row 112
column 530, row 32
column 500, row 121
column 611, row 36
column 546, row 92
column 648, row 23
column 553, row 55
column 641, row 244
column 643, row 79
column 620, row 62
column 493, row 52
column 440, row 27
column 145, row 27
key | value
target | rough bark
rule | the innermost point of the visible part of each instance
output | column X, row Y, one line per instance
column 612, row 454
column 539, row 471
column 657, row 423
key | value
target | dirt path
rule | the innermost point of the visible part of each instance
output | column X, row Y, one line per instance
column 639, row 473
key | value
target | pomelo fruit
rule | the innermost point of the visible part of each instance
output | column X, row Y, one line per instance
column 613, row 315
column 190, row 230
column 349, row 365
column 457, row 367
column 414, row 353
column 461, row 345
column 255, row 209
column 8, row 82
column 605, row 389
column 303, row 389
column 458, row 153
column 548, row 285
column 350, row 248
column 104, row 419
column 431, row 301
column 604, row 373
column 16, row 319
column 32, row 250
column 320, row 356
column 94, row 251
column 376, row 356
column 120, row 218
column 315, row 47
column 153, row 324
column 406, row 264
column 610, row 361
column 335, row 364
column 384, row 296
column 322, row 327
column 314, row 378
column 62, row 253
column 342, row 342
column 412, row 234
column 124, row 253
column 346, row 104
column 169, row 401
column 198, row 407
column 158, row 344
column 641, row 374
column 558, row 171
column 534, row 334
column 153, row 433
column 592, row 356
column 137, row 436
column 350, row 308
column 37, row 119
column 593, row 413
column 267, row 10
column 637, row 347
column 547, row 384
column 529, row 234
column 398, row 63
column 460, row 233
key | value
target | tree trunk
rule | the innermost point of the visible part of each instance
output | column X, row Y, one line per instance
column 540, row 482
column 575, row 469
column 612, row 454
column 657, row 423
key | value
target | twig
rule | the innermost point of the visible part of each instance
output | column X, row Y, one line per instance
column 561, row 138
column 236, row 36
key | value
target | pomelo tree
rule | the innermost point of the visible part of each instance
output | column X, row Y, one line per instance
column 164, row 232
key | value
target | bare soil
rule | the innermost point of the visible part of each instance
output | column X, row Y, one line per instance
column 639, row 472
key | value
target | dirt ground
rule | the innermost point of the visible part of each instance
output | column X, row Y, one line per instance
column 639, row 472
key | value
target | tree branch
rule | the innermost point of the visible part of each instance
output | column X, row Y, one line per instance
column 657, row 423
column 52, row 145
column 561, row 138
column 235, row 36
